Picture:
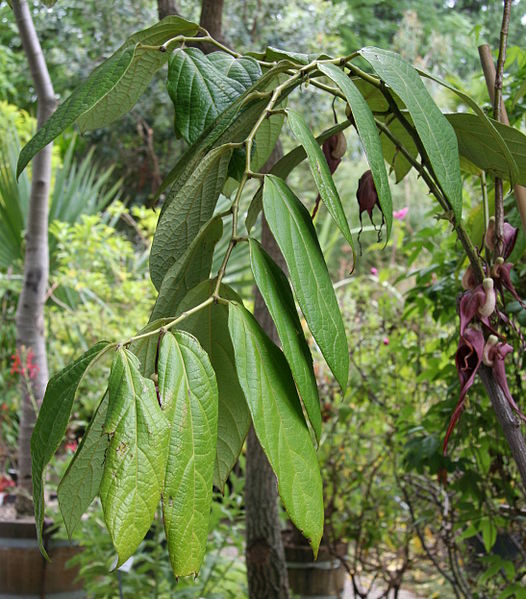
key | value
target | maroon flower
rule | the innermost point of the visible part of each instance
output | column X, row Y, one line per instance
column 473, row 351
column 479, row 302
column 367, row 199
column 501, row 274
column 468, row 360
column 509, row 233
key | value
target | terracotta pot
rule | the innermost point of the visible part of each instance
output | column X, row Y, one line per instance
column 323, row 578
column 25, row 573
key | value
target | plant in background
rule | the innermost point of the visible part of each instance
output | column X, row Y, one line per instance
column 191, row 381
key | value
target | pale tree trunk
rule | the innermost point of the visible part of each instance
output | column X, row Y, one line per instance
column 30, row 312
column 266, row 569
column 167, row 7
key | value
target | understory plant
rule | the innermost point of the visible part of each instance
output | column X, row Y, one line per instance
column 182, row 393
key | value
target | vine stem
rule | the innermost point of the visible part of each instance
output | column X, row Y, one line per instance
column 497, row 115
column 462, row 235
column 488, row 67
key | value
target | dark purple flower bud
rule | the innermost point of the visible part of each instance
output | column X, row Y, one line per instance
column 366, row 194
column 334, row 147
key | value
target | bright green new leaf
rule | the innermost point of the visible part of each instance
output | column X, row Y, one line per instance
column 276, row 292
column 136, row 456
column 365, row 125
column 202, row 86
column 475, row 145
column 188, row 390
column 436, row 134
column 292, row 228
column 191, row 206
column 278, row 420
column 189, row 270
column 81, row 483
column 210, row 327
column 112, row 88
column 52, row 422
column 320, row 172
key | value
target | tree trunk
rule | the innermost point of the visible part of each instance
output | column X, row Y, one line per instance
column 508, row 420
column 266, row 569
column 167, row 7
column 212, row 20
column 30, row 311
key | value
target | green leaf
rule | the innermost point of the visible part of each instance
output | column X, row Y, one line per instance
column 189, row 270
column 190, row 207
column 489, row 533
column 52, row 422
column 477, row 146
column 489, row 124
column 276, row 292
column 282, row 169
column 436, row 134
column 292, row 228
column 112, row 88
column 366, row 127
column 278, row 420
column 136, row 457
column 202, row 86
column 392, row 154
column 233, row 125
column 146, row 348
column 191, row 408
column 81, row 482
column 210, row 327
column 320, row 172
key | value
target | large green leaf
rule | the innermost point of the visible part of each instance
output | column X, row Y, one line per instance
column 233, row 125
column 488, row 123
column 320, row 172
column 112, row 88
column 202, row 86
column 190, row 208
column 282, row 169
column 436, row 134
column 136, row 456
column 365, row 125
column 477, row 146
column 188, row 390
column 278, row 420
column 52, row 422
column 81, row 482
column 210, row 326
column 292, row 227
column 277, row 294
column 189, row 270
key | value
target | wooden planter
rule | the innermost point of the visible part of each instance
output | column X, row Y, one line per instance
column 323, row 578
column 25, row 573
